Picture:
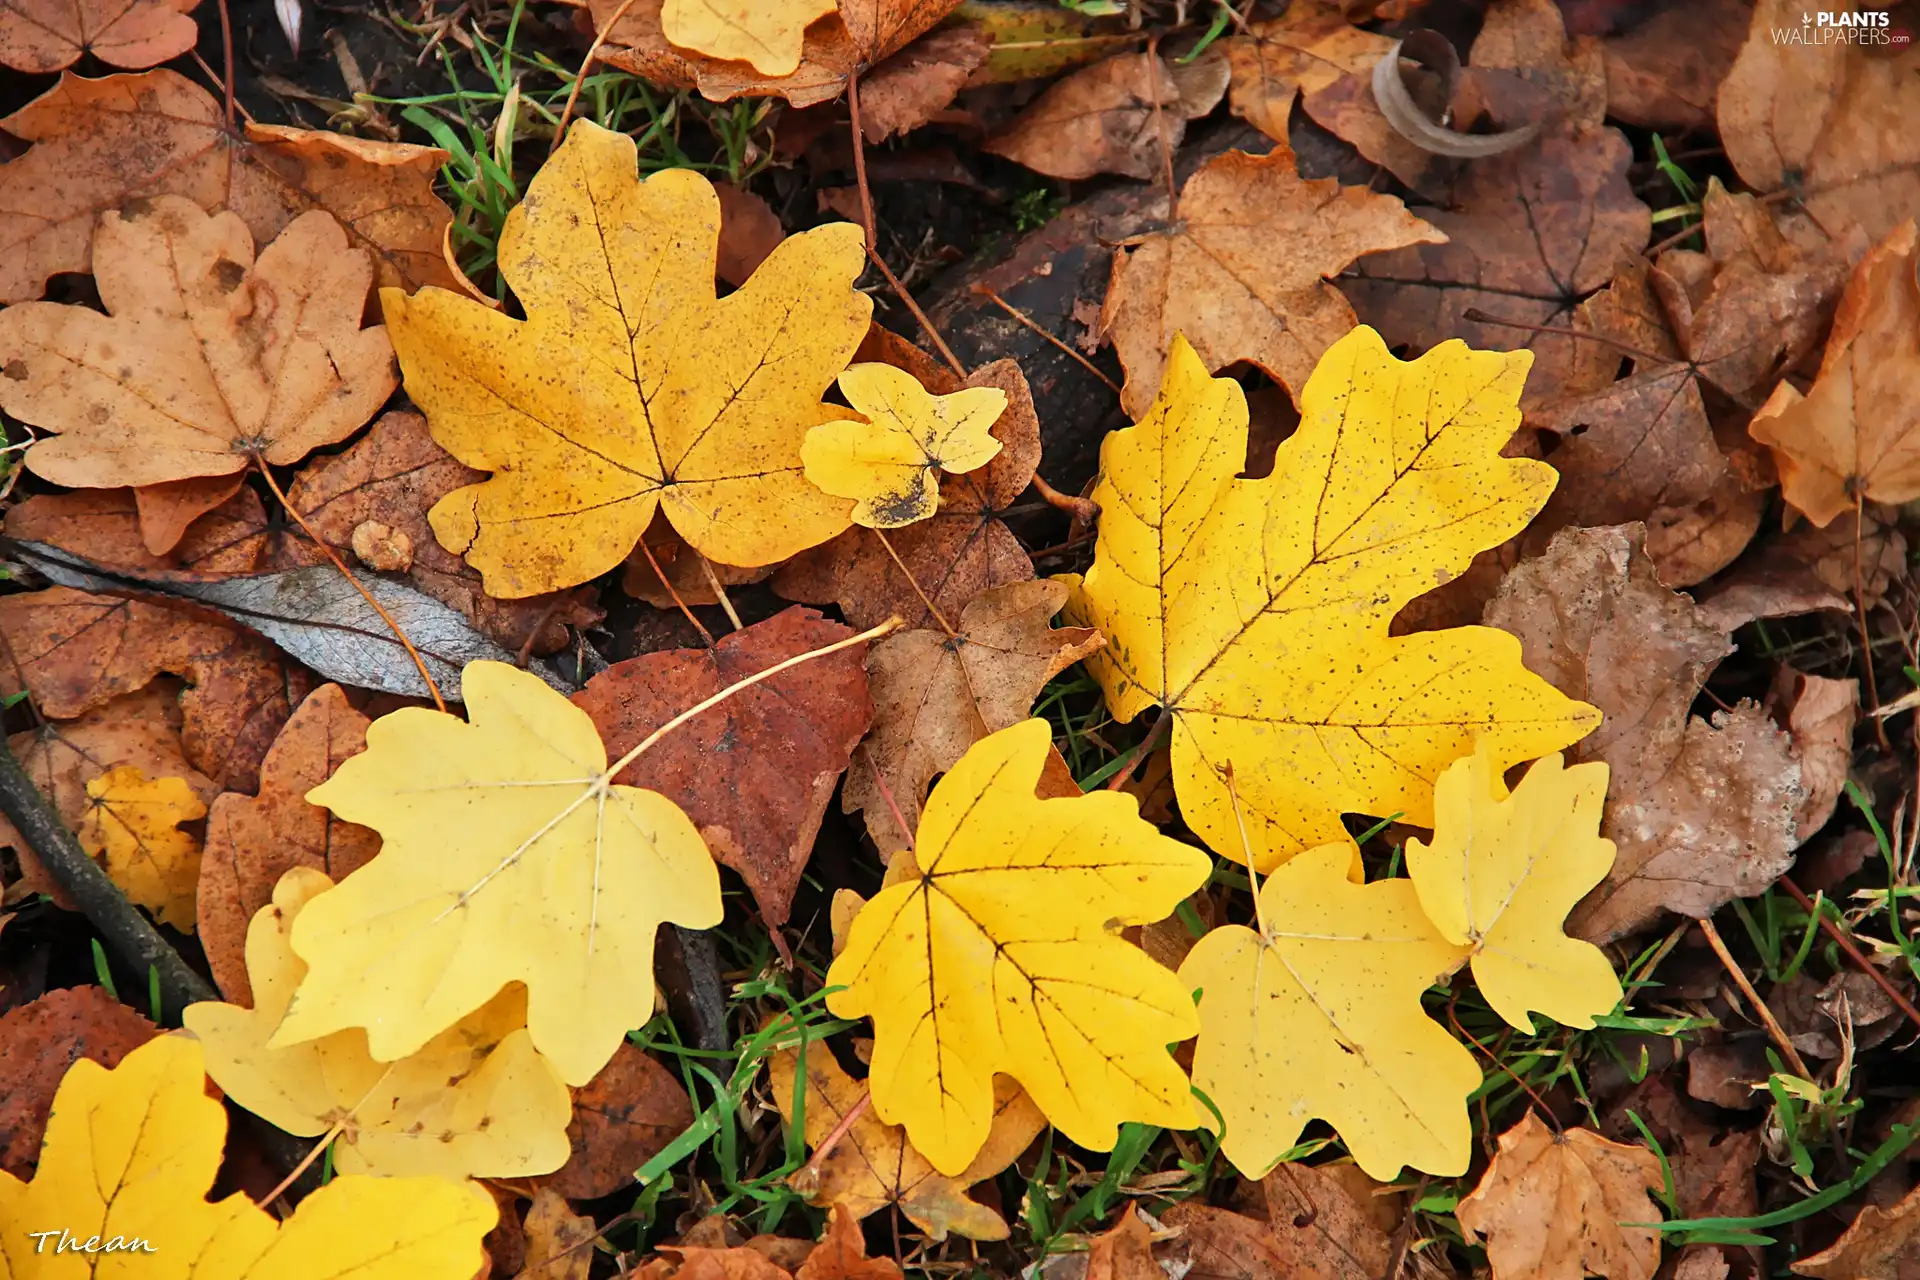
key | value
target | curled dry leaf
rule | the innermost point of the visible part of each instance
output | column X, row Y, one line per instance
column 1406, row 118
column 915, row 85
column 1700, row 813
column 1879, row 1244
column 253, row 840
column 132, row 827
column 764, row 34
column 1819, row 715
column 963, row 549
column 1305, row 49
column 40, row 36
column 208, row 362
column 1126, row 115
column 754, row 773
column 873, row 1165
column 1554, row 1206
column 1243, row 276
column 622, row 1118
column 39, row 1041
column 99, row 144
column 935, row 695
column 474, row 1101
column 889, row 463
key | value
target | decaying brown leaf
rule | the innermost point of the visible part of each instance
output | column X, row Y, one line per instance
column 253, row 840
column 1808, row 569
column 1243, row 275
column 1664, row 73
column 1700, row 813
column 935, row 695
column 105, row 526
column 101, row 143
column 1880, row 1244
column 749, row 231
column 1527, row 40
column 1314, row 1230
column 842, row 1253
column 1124, row 1251
column 168, row 509
column 1305, row 49
column 962, row 550
column 919, row 82
column 632, row 1109
column 1125, row 115
column 38, row 1042
column 755, row 772
column 1553, row 1206
column 40, row 36
column 556, row 1239
column 1819, row 715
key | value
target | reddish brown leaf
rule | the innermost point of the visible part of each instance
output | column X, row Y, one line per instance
column 633, row 1108
column 1665, row 72
column 103, row 525
column 680, row 564
column 557, row 1239
column 842, row 1253
column 252, row 841
column 1125, row 115
column 40, row 36
column 749, row 231
column 167, row 509
column 38, row 1042
column 755, row 772
column 1808, row 569
column 1124, row 1251
column 1307, row 48
column 919, row 82
column 1314, row 1230
column 1880, row 1244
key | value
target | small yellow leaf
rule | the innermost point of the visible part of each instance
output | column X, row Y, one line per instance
column 508, row 856
column 629, row 388
column 132, row 824
column 887, row 463
column 1503, row 871
column 476, row 1101
column 765, row 33
column 130, row 1154
column 1321, row 1017
column 1003, row 955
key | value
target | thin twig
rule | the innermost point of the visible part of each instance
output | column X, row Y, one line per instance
column 685, row 612
column 860, row 157
column 720, row 592
column 1083, row 510
column 1853, row 952
column 839, row 1131
column 893, row 806
column 326, row 1140
column 1777, row 1032
column 913, row 582
column 1494, row 1058
column 1478, row 316
column 586, row 65
column 1028, row 321
column 933, row 334
column 226, row 52
column 439, row 702
column 1157, row 731
column 1160, row 123
column 1860, row 616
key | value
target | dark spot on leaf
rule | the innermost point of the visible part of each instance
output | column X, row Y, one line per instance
column 16, row 370
column 229, row 274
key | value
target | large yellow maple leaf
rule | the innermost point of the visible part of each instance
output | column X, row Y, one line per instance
column 508, row 855
column 763, row 33
column 629, row 388
column 129, row 1157
column 477, row 1100
column 1003, row 954
column 1256, row 611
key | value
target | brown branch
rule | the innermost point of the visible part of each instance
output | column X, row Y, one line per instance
column 1853, row 952
column 1000, row 302
column 913, row 582
column 586, row 65
column 1775, row 1031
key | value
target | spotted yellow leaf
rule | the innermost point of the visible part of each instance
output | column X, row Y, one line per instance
column 1003, row 955
column 888, row 463
column 764, row 33
column 508, row 855
column 1500, row 875
column 1256, row 612
column 129, row 1156
column 132, row 825
column 1315, row 1013
column 476, row 1101
column 629, row 388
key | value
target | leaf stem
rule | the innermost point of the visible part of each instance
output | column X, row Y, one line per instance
column 914, row 582
column 685, row 612
column 319, row 1148
column 720, row 592
column 586, row 64
column 1760, row 1010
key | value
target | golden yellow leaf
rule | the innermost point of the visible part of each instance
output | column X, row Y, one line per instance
column 628, row 388
column 1503, row 871
column 1003, row 955
column 887, row 463
column 132, row 823
column 1256, row 611
column 130, row 1154
column 1317, row 1014
column 764, row 33
column 476, row 1101
column 508, row 855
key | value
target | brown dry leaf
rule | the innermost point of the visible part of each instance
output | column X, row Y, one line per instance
column 962, row 550
column 1124, row 1251
column 1243, row 275
column 1125, row 115
column 208, row 360
column 38, row 1042
column 1551, row 1206
column 873, row 1166
column 621, row 1120
column 935, row 695
column 1832, row 124
column 749, row 231
column 1304, row 50
column 1857, row 432
column 103, row 525
column 913, row 86
column 253, row 840
column 842, row 1253
column 1808, row 569
column 689, row 1261
column 1529, row 235
column 1314, row 1230
column 680, row 564
column 42, row 36
column 755, row 772
column 1700, row 813
column 168, row 509
column 557, row 1245
column 132, row 828
column 1688, row 545
column 1880, row 1244
column 1527, row 39
column 101, row 143
column 1819, row 715
column 859, row 37
column 1665, row 72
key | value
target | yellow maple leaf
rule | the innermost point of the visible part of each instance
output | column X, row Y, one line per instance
column 132, row 824
column 887, row 463
column 1256, row 611
column 129, row 1157
column 629, row 388
column 764, row 33
column 508, row 855
column 1003, row 955
column 1317, row 1014
column 477, row 1100
column 1503, row 871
